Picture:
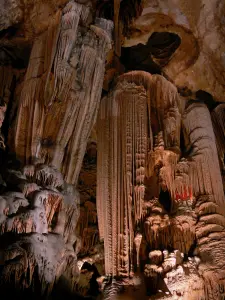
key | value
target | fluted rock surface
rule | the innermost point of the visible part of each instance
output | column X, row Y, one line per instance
column 124, row 139
column 160, row 148
column 149, row 197
column 60, row 95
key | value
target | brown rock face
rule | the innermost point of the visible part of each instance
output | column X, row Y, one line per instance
column 198, row 63
column 183, row 206
column 53, row 111
column 112, row 149
column 63, row 82
column 38, row 231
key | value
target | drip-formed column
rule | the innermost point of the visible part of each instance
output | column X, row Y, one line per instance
column 122, row 144
column 204, row 170
column 30, row 115
column 205, row 178
column 62, row 90
column 124, row 140
column 91, row 69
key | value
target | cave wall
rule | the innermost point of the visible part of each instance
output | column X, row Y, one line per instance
column 123, row 102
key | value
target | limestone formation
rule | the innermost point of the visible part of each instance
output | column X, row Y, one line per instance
column 198, row 64
column 219, row 129
column 126, row 117
column 49, row 103
column 112, row 149
column 184, row 203
column 43, row 215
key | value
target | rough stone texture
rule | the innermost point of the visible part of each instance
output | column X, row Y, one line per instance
column 38, row 241
column 62, row 84
column 198, row 63
column 155, row 229
column 160, row 200
column 71, row 91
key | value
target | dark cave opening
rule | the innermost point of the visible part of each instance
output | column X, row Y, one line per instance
column 163, row 45
column 153, row 56
column 182, row 142
column 94, row 287
column 165, row 200
column 8, row 115
column 128, row 10
column 207, row 98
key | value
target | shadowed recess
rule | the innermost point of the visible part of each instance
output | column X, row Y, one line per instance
column 154, row 55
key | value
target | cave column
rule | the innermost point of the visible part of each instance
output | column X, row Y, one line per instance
column 206, row 181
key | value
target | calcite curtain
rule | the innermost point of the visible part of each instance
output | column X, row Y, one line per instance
column 62, row 89
column 139, row 157
column 125, row 141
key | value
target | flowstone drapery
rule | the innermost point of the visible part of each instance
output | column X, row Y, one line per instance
column 125, row 139
column 152, row 195
column 51, row 117
column 60, row 96
column 160, row 147
column 37, row 230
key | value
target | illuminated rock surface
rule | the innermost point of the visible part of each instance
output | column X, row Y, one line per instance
column 112, row 148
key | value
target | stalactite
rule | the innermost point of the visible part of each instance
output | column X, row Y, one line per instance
column 67, row 36
column 137, row 242
column 163, row 231
column 117, row 30
column 29, row 125
column 124, row 140
column 124, row 109
column 62, row 89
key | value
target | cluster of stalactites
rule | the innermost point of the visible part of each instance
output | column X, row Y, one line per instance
column 62, row 89
column 124, row 140
column 121, row 160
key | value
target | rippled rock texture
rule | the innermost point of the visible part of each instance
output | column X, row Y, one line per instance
column 112, row 146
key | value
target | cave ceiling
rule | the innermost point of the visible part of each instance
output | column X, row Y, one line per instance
column 184, row 42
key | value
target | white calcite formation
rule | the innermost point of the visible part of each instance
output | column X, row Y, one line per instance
column 159, row 207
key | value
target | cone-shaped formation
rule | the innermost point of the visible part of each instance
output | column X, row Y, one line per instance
column 61, row 92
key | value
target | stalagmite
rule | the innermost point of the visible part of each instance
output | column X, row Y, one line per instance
column 156, row 228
